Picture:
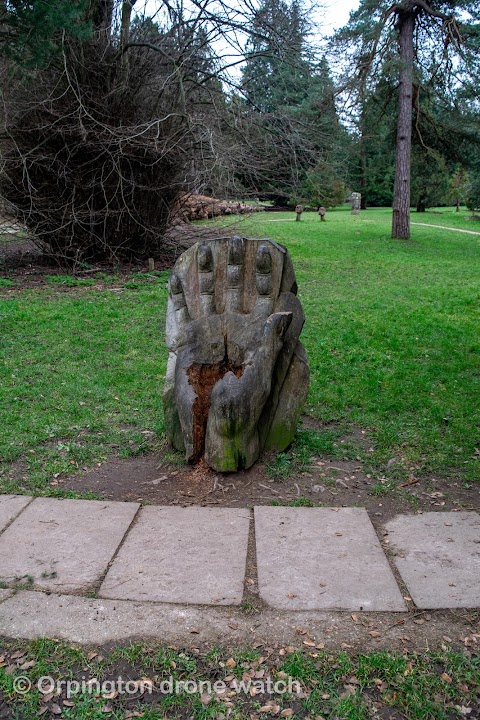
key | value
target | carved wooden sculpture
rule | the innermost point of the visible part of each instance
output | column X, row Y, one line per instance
column 237, row 375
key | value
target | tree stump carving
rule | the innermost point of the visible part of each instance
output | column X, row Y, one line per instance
column 237, row 375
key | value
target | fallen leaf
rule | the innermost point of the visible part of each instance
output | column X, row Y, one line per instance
column 108, row 696
column 231, row 663
column 18, row 654
column 288, row 712
column 446, row 678
column 27, row 665
column 374, row 633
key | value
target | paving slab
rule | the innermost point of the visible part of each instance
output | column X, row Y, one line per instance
column 188, row 555
column 438, row 556
column 63, row 544
column 322, row 558
column 92, row 621
column 10, row 507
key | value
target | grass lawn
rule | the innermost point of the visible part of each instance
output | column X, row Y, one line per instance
column 82, row 376
column 392, row 335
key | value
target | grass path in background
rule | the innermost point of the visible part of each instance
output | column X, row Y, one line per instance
column 443, row 227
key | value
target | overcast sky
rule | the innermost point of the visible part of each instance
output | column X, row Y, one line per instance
column 336, row 14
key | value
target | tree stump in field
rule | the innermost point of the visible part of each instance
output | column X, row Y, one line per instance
column 356, row 200
column 299, row 210
column 237, row 375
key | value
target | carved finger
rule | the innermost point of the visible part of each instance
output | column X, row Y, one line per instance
column 236, row 252
column 206, row 280
column 178, row 298
column 264, row 303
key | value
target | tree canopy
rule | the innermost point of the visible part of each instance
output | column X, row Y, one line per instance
column 111, row 114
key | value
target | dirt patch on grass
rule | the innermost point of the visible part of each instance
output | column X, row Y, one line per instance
column 152, row 480
column 27, row 266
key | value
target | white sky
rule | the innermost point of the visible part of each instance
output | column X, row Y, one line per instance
column 335, row 14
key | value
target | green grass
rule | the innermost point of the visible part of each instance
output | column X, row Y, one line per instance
column 447, row 216
column 82, row 375
column 391, row 333
column 441, row 685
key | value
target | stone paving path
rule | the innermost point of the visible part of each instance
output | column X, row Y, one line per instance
column 56, row 554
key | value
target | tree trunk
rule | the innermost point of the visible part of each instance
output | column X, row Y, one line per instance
column 102, row 18
column 401, row 200
column 363, row 172
column 127, row 7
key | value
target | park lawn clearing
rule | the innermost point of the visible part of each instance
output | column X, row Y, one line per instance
column 83, row 374
column 391, row 333
column 441, row 685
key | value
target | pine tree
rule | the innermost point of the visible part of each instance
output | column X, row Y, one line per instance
column 422, row 37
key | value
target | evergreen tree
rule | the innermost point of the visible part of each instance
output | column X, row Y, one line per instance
column 32, row 30
column 426, row 39
column 290, row 121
